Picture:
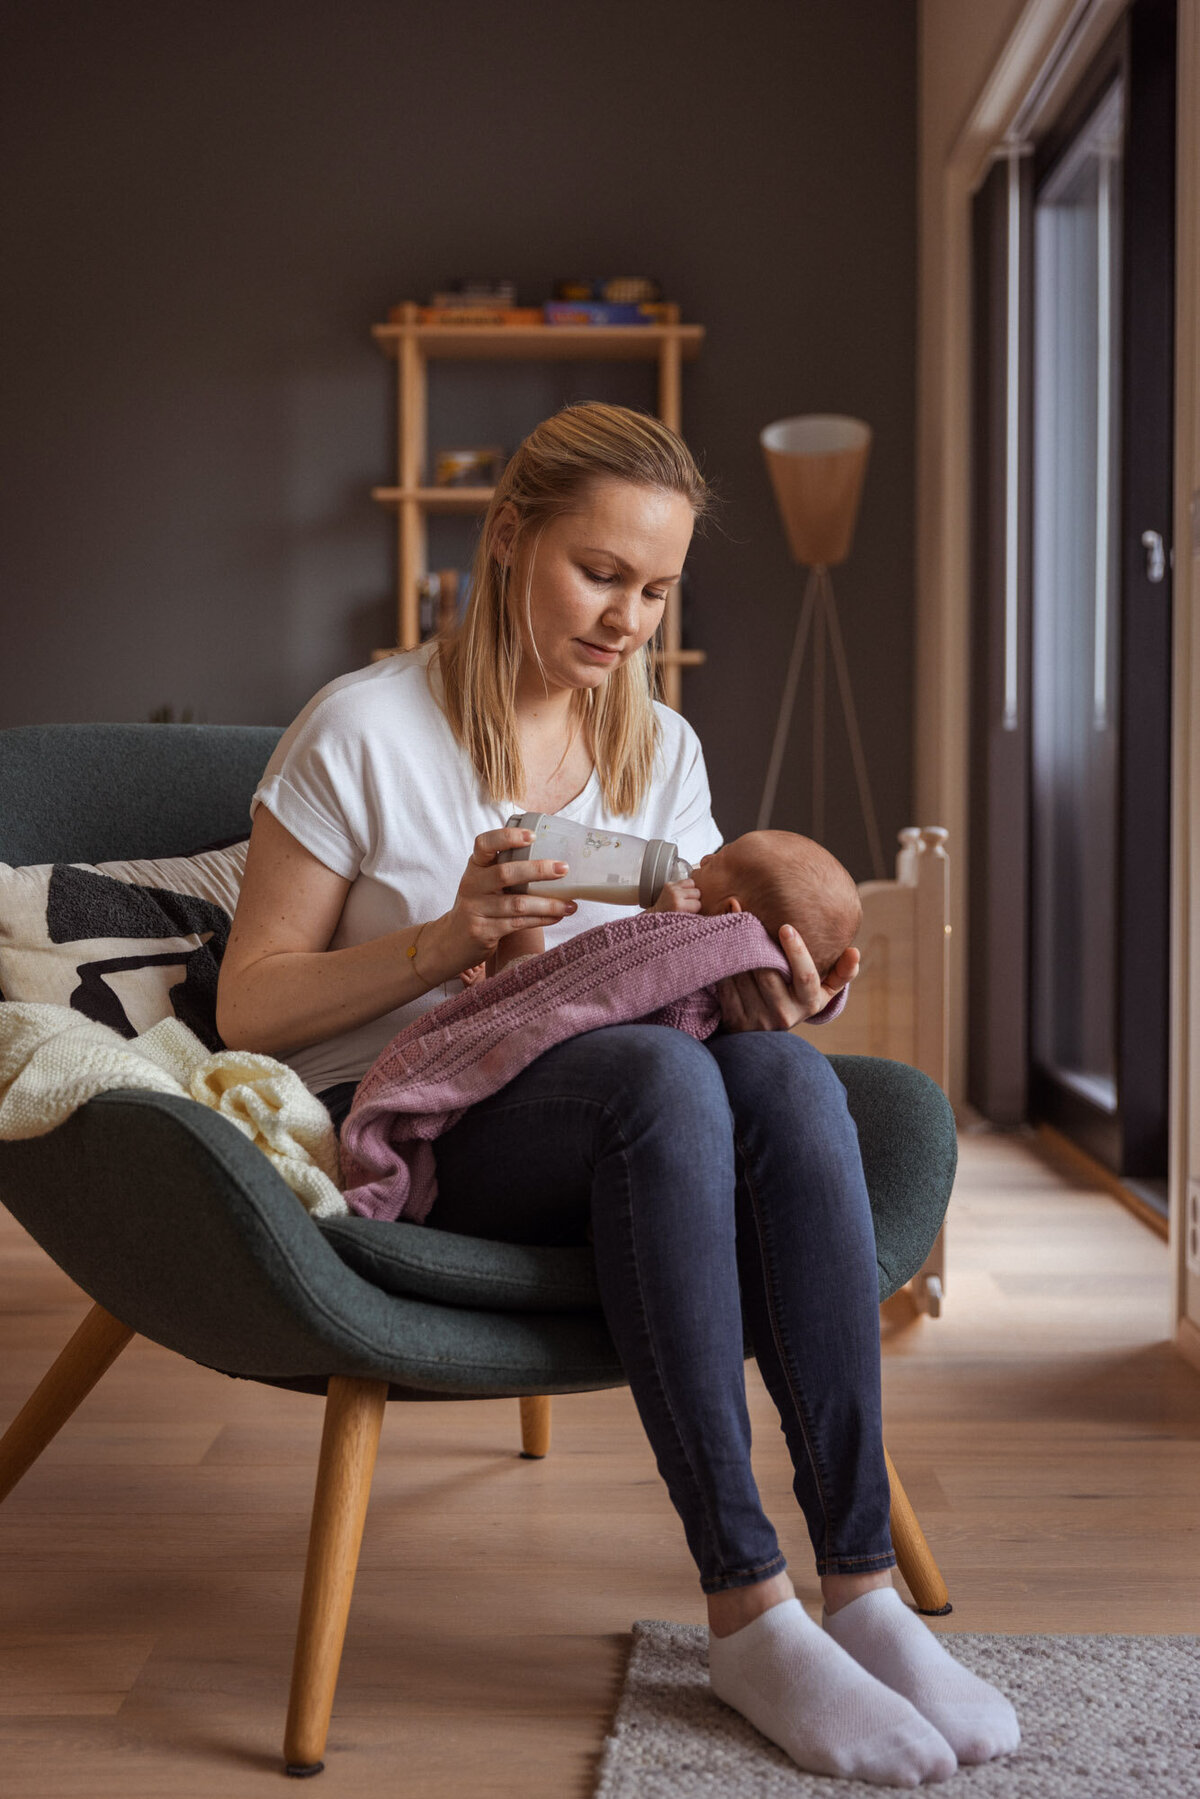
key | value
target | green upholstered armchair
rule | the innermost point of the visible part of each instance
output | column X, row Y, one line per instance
column 136, row 1192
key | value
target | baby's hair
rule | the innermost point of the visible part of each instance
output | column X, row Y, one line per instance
column 784, row 878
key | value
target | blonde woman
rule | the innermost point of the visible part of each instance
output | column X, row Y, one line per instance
column 715, row 1178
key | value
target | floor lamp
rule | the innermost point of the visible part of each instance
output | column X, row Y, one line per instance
column 817, row 464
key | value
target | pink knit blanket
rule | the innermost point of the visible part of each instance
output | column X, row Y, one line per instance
column 658, row 967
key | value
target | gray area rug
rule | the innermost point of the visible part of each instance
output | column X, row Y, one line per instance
column 1102, row 1717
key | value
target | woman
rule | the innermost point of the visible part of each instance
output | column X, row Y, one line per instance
column 713, row 1176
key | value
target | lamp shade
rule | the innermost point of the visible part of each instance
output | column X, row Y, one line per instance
column 817, row 464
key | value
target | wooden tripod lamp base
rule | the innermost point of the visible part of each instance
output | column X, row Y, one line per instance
column 817, row 464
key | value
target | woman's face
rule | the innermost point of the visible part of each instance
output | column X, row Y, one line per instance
column 598, row 580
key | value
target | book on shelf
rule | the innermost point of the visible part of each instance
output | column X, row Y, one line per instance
column 552, row 312
column 477, row 290
column 613, row 287
column 473, row 315
column 606, row 312
column 480, row 466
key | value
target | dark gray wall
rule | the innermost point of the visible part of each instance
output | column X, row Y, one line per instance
column 205, row 208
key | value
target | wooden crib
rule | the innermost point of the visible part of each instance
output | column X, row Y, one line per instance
column 900, row 1003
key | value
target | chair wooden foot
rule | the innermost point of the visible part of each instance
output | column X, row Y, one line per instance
column 89, row 1354
column 929, row 1282
column 920, row 1571
column 353, row 1418
column 535, row 1428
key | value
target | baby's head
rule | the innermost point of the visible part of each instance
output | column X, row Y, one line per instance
column 785, row 879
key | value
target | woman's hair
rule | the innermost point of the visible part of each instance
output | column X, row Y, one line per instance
column 547, row 476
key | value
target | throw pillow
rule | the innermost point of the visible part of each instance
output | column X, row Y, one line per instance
column 125, row 943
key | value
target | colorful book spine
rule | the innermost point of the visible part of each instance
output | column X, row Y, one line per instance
column 602, row 312
column 479, row 315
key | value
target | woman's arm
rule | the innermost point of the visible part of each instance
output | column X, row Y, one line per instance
column 281, row 987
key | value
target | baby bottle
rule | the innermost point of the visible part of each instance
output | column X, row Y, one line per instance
column 601, row 865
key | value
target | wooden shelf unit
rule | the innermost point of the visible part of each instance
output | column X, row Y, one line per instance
column 413, row 345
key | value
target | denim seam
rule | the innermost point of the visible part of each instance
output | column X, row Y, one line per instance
column 857, row 1564
column 761, row 1234
column 745, row 1577
column 643, row 1320
column 721, row 1574
column 713, row 1535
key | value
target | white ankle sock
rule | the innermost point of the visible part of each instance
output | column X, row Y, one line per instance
column 800, row 1689
column 892, row 1643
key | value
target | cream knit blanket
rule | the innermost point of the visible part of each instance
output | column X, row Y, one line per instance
column 52, row 1059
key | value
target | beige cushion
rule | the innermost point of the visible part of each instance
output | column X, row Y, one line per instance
column 125, row 943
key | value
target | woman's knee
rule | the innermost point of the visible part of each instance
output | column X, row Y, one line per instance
column 759, row 1066
column 662, row 1106
column 665, row 1141
column 659, row 1069
column 781, row 1090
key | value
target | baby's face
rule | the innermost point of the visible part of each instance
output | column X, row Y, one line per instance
column 715, row 876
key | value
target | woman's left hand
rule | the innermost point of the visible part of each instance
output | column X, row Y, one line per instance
column 762, row 1000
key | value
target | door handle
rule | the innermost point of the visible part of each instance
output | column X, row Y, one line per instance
column 1153, row 556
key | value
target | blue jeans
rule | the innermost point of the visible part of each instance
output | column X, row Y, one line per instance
column 723, row 1191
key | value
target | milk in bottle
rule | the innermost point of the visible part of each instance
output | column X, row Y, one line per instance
column 610, row 866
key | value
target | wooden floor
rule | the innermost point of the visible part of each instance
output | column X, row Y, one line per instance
column 150, row 1564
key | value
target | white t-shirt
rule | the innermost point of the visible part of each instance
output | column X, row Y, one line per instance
column 370, row 779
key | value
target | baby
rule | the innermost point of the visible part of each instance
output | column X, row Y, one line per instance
column 781, row 877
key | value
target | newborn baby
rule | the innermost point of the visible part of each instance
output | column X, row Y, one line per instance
column 781, row 877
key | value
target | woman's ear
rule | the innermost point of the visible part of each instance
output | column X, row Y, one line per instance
column 504, row 531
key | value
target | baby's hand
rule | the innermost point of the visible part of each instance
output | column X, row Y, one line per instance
column 516, row 946
column 470, row 976
column 678, row 896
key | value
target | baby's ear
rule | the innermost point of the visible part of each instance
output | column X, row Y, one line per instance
column 733, row 904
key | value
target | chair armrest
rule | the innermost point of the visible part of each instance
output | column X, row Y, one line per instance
column 909, row 1146
column 175, row 1222
column 166, row 1214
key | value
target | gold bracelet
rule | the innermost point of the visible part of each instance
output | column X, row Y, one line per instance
column 411, row 953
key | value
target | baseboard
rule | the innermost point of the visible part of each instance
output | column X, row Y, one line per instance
column 1068, row 1156
column 1187, row 1341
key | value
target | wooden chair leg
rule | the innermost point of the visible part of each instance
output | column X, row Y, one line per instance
column 929, row 1282
column 89, row 1354
column 535, row 1428
column 349, row 1441
column 920, row 1571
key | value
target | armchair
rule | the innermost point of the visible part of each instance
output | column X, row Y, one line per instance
column 178, row 1228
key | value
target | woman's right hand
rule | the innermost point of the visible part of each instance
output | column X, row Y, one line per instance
column 484, row 911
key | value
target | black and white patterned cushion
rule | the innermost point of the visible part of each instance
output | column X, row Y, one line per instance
column 125, row 943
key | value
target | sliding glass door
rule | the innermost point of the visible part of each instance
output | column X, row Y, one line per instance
column 1071, row 613
column 1076, row 598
